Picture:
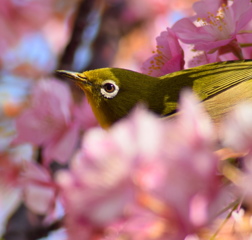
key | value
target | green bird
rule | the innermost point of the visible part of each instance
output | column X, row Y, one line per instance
column 113, row 92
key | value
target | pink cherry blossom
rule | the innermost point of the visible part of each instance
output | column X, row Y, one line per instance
column 167, row 58
column 185, row 179
column 52, row 121
column 38, row 188
column 165, row 167
column 99, row 179
column 101, row 174
column 214, row 27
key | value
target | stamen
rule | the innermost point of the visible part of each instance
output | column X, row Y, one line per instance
column 218, row 22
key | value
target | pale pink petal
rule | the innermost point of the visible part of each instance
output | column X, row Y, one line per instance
column 173, row 65
column 39, row 198
column 34, row 171
column 52, row 98
column 189, row 33
column 62, row 149
column 32, row 129
column 240, row 7
column 244, row 18
column 52, row 121
column 199, row 210
column 38, row 189
column 202, row 8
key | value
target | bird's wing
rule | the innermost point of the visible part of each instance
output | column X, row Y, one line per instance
column 219, row 77
column 209, row 80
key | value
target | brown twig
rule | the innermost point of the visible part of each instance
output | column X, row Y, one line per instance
column 82, row 22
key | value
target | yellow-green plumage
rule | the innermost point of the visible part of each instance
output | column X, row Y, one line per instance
column 220, row 85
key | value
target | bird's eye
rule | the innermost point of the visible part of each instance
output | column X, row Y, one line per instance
column 109, row 89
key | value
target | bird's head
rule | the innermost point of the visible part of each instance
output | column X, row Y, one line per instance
column 112, row 92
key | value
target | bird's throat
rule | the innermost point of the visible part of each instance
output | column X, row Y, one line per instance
column 98, row 112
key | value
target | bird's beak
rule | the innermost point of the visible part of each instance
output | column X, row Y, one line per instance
column 77, row 77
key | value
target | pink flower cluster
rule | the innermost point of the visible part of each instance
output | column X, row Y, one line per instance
column 142, row 173
column 145, row 177
column 53, row 121
column 218, row 31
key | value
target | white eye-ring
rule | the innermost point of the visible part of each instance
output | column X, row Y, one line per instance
column 109, row 89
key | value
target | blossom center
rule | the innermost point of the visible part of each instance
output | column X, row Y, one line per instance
column 158, row 60
column 220, row 23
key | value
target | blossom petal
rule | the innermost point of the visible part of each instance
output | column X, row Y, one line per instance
column 189, row 33
column 202, row 8
column 31, row 129
column 244, row 18
column 167, row 58
column 62, row 149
